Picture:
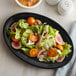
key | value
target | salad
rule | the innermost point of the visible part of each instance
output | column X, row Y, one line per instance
column 37, row 39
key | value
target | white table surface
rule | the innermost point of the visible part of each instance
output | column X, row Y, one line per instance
column 10, row 65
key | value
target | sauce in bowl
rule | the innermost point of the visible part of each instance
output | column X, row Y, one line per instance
column 28, row 2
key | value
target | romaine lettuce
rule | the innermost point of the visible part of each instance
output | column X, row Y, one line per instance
column 17, row 35
column 53, row 31
column 52, row 58
column 66, row 50
column 25, row 50
column 37, row 29
column 22, row 24
column 27, row 32
column 30, row 46
column 24, row 40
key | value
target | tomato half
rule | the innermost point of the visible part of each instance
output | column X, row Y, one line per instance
column 52, row 53
column 14, row 39
column 33, row 52
column 33, row 37
column 59, row 47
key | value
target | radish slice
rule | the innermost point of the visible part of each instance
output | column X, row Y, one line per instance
column 60, row 59
column 38, row 39
column 13, row 27
column 16, row 45
column 59, row 39
column 44, row 34
column 41, row 53
column 38, row 22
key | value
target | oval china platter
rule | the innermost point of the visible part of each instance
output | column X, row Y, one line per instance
column 35, row 61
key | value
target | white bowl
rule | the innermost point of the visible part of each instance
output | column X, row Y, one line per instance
column 27, row 6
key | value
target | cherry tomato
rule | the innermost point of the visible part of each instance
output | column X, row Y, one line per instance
column 14, row 39
column 59, row 47
column 33, row 52
column 31, row 20
column 33, row 37
column 29, row 3
column 52, row 53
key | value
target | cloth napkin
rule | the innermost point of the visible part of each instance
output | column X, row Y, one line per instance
column 70, row 68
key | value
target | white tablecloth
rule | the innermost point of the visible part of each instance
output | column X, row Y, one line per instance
column 10, row 65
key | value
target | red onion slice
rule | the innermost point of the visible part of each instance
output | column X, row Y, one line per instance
column 41, row 53
column 13, row 27
column 38, row 39
column 60, row 59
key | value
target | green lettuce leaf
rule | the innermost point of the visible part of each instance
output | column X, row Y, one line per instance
column 52, row 58
column 67, row 50
column 37, row 29
column 47, row 42
column 25, row 50
column 53, row 31
column 27, row 32
column 30, row 46
column 22, row 24
column 9, row 31
column 17, row 35
column 46, row 28
column 24, row 40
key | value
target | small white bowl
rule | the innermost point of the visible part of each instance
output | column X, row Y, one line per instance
column 27, row 6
